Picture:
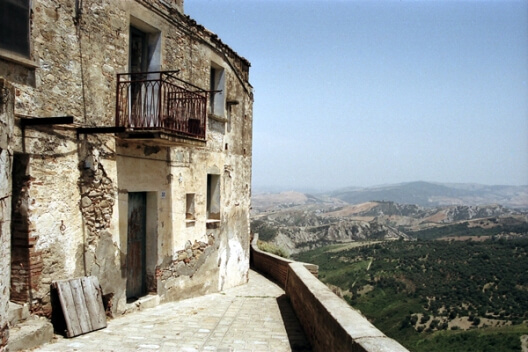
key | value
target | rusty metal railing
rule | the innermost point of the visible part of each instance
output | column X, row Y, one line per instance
column 160, row 101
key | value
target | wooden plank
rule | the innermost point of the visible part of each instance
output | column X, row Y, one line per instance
column 94, row 302
column 62, row 297
column 73, row 327
column 80, row 306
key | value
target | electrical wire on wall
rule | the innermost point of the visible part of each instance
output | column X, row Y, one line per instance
column 78, row 22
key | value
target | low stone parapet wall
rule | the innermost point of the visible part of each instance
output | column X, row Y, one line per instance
column 328, row 321
column 271, row 265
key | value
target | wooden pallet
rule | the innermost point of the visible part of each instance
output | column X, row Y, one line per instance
column 82, row 304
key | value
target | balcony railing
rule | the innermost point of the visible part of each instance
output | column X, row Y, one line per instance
column 159, row 101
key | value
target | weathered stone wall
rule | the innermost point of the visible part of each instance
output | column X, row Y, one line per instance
column 194, row 256
column 72, row 189
column 6, row 162
column 48, row 222
column 55, row 90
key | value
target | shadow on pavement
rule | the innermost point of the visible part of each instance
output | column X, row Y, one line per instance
column 296, row 335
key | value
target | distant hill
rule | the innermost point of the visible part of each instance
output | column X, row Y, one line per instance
column 305, row 222
column 437, row 194
column 290, row 199
column 297, row 221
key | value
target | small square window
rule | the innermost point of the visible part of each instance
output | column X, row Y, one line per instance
column 189, row 207
column 213, row 197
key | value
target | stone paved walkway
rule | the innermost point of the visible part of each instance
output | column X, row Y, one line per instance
column 253, row 317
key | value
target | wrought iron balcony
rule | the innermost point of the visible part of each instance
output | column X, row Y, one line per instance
column 159, row 101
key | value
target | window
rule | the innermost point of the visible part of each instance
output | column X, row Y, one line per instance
column 189, row 206
column 217, row 94
column 138, row 51
column 213, row 197
column 14, row 26
column 145, row 47
column 144, row 61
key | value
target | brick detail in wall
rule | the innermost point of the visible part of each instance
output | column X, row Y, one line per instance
column 4, row 336
column 26, row 266
column 26, row 262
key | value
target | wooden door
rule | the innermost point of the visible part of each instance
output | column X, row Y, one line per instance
column 136, row 249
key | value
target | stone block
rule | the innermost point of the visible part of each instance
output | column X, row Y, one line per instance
column 30, row 334
column 17, row 313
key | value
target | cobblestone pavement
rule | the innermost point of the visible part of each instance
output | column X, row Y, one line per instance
column 253, row 317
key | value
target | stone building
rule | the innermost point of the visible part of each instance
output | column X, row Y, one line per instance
column 6, row 161
column 127, row 136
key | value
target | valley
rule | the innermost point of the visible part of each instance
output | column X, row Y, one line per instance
column 308, row 222
column 436, row 278
column 435, row 295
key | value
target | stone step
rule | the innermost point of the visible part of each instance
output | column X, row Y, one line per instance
column 31, row 333
column 17, row 313
column 148, row 301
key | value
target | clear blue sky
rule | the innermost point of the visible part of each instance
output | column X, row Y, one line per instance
column 362, row 93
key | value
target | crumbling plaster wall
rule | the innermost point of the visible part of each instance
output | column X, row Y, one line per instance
column 194, row 256
column 78, row 184
column 6, row 164
column 207, row 255
column 99, row 253
column 228, row 154
column 144, row 167
column 53, row 216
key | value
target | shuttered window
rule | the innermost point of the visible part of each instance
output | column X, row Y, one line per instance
column 14, row 26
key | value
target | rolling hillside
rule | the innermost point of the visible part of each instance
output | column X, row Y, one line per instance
column 444, row 270
column 437, row 194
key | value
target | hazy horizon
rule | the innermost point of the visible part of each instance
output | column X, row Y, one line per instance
column 284, row 188
column 364, row 93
